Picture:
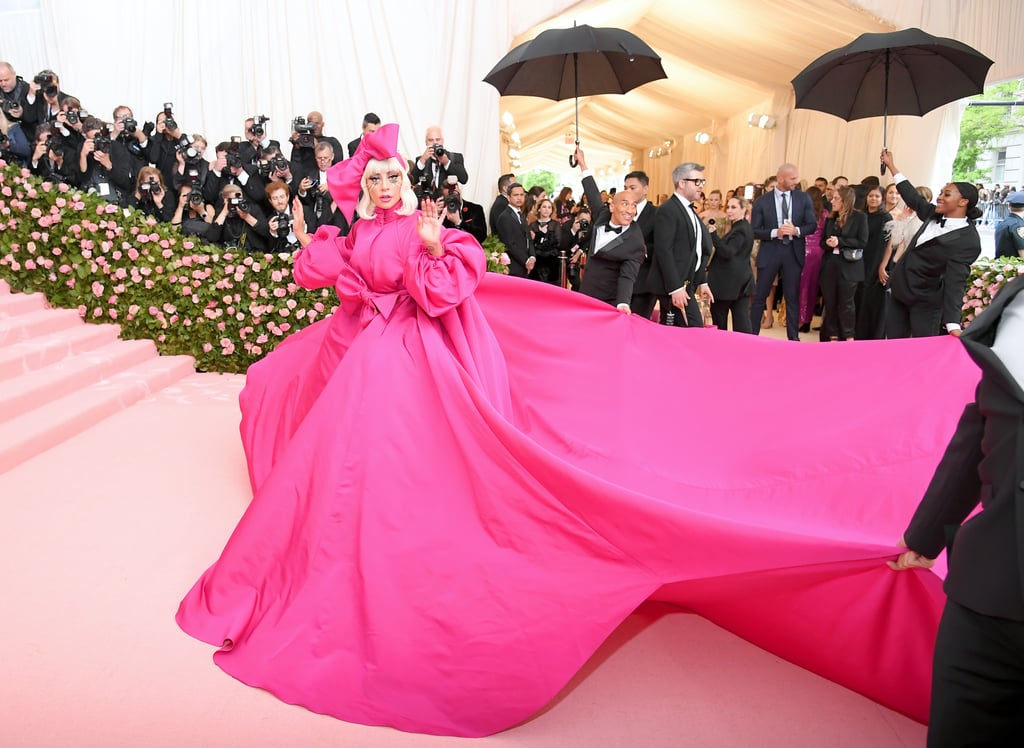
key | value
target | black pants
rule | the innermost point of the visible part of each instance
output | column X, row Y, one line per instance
column 977, row 681
column 916, row 321
column 643, row 304
column 740, row 309
column 840, row 313
column 689, row 318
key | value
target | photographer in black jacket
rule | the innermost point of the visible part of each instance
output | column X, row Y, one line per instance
column 320, row 209
column 235, row 223
column 229, row 168
column 256, row 140
column 192, row 213
column 103, row 171
column 13, row 93
column 151, row 195
column 459, row 213
column 44, row 98
column 52, row 158
column 163, row 145
column 134, row 138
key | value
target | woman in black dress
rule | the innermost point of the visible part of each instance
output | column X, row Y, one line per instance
column 871, row 298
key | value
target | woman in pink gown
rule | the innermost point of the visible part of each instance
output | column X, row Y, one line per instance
column 439, row 539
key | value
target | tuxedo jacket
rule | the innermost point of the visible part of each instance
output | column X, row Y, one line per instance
column 455, row 168
column 764, row 219
column 676, row 257
column 611, row 271
column 515, row 235
column 729, row 273
column 646, row 223
column 353, row 145
column 854, row 235
column 497, row 208
column 934, row 273
column 472, row 221
column 983, row 464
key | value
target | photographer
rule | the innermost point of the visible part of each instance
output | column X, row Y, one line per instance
column 68, row 122
column 14, row 146
column 436, row 164
column 320, row 209
column 50, row 157
column 278, row 230
column 44, row 98
column 135, row 139
column 459, row 213
column 102, row 172
column 276, row 168
column 234, row 225
column 192, row 213
column 151, row 196
column 229, row 169
column 163, row 145
column 13, row 102
column 192, row 169
column 307, row 134
column 254, row 148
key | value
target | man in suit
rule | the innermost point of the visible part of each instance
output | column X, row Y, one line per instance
column 781, row 219
column 514, row 233
column 978, row 668
column 461, row 214
column 616, row 245
column 437, row 163
column 681, row 250
column 370, row 123
column 637, row 183
column 303, row 158
column 928, row 280
column 500, row 202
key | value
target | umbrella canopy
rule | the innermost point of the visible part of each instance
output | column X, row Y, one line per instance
column 581, row 61
column 901, row 72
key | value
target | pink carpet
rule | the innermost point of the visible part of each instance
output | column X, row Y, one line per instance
column 109, row 520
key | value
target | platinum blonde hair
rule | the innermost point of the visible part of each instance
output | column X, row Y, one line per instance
column 365, row 207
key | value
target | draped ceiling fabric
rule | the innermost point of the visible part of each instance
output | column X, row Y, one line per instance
column 420, row 62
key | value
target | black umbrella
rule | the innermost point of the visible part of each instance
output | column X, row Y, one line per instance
column 900, row 72
column 581, row 61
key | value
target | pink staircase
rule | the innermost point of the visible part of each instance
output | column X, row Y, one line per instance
column 59, row 376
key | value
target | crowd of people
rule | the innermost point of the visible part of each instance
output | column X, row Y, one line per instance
column 834, row 247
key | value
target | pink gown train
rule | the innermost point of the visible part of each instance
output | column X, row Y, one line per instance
column 464, row 482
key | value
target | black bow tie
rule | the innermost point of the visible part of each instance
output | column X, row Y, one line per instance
column 941, row 220
column 613, row 229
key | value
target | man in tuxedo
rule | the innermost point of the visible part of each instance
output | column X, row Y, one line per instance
column 500, row 202
column 637, row 183
column 459, row 213
column 928, row 280
column 437, row 163
column 514, row 233
column 370, row 123
column 616, row 245
column 781, row 219
column 681, row 249
column 978, row 667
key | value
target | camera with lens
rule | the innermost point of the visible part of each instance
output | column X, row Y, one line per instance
column 48, row 82
column 5, row 142
column 101, row 142
column 130, row 126
column 258, row 123
column 192, row 177
column 452, row 202
column 73, row 116
column 284, row 224
column 439, row 150
column 147, row 129
column 186, row 147
column 57, row 145
column 236, row 204
column 169, row 121
column 8, row 104
column 268, row 167
column 149, row 188
column 305, row 131
column 195, row 199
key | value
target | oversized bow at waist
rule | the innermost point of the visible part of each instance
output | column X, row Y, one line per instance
column 357, row 298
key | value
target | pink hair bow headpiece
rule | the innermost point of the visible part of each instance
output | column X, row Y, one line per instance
column 345, row 177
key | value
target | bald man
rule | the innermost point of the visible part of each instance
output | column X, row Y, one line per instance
column 436, row 164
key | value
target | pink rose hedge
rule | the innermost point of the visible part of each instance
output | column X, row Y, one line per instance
column 987, row 276
column 225, row 308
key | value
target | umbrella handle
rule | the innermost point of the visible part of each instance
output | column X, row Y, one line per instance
column 572, row 161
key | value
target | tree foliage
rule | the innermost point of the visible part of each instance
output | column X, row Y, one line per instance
column 546, row 179
column 983, row 125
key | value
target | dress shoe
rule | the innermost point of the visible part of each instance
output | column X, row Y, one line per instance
column 805, row 327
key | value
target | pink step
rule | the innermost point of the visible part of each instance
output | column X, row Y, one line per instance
column 35, row 353
column 12, row 304
column 39, row 322
column 37, row 388
column 4, row 287
column 29, row 434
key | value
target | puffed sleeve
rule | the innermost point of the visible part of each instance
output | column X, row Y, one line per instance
column 320, row 262
column 439, row 284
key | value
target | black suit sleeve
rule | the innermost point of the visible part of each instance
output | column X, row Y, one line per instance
column 628, row 271
column 509, row 231
column 806, row 221
column 665, row 227
column 954, row 491
column 456, row 167
column 731, row 245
